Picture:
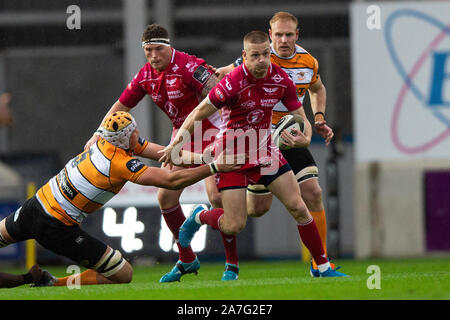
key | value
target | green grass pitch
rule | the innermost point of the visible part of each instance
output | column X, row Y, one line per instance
column 400, row 279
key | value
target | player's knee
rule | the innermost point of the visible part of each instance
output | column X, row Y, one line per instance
column 257, row 209
column 113, row 266
column 234, row 227
column 297, row 208
column 126, row 273
column 313, row 194
column 167, row 199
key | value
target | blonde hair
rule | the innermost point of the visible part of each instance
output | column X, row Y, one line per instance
column 282, row 15
column 256, row 37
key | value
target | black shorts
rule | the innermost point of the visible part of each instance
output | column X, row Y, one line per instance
column 302, row 164
column 298, row 159
column 32, row 222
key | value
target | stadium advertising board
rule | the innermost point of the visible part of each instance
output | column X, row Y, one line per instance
column 401, row 80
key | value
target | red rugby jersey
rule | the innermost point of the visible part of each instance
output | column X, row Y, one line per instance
column 247, row 102
column 176, row 90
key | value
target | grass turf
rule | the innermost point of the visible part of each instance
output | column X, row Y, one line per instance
column 401, row 279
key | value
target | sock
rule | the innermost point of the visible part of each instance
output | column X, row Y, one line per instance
column 321, row 223
column 87, row 277
column 229, row 243
column 211, row 218
column 174, row 218
column 311, row 238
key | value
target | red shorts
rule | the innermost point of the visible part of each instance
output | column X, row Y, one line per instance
column 252, row 174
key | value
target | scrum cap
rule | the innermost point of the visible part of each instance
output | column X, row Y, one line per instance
column 117, row 129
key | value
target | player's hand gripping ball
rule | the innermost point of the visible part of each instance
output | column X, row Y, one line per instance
column 288, row 122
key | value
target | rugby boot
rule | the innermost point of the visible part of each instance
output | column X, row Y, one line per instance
column 47, row 280
column 189, row 227
column 315, row 272
column 231, row 272
column 332, row 273
column 181, row 269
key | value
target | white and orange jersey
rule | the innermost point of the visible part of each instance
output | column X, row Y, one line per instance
column 301, row 67
column 90, row 180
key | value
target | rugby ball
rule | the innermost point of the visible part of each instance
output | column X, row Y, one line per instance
column 288, row 122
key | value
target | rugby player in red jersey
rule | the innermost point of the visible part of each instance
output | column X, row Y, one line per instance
column 246, row 97
column 176, row 82
column 303, row 69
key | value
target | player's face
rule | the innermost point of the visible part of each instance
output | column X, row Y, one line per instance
column 134, row 139
column 284, row 35
column 158, row 55
column 257, row 58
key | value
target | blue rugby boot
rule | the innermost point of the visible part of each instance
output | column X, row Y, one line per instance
column 189, row 227
column 332, row 273
column 231, row 272
column 314, row 271
column 181, row 269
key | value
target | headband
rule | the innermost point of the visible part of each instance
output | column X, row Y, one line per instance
column 163, row 41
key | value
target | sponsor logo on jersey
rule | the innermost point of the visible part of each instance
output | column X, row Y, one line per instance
column 303, row 76
column 134, row 165
column 277, row 78
column 171, row 82
column 191, row 66
column 175, row 94
column 268, row 103
column 201, row 74
column 156, row 97
column 172, row 111
column 175, row 67
column 248, row 104
column 255, row 116
column 219, row 94
column 270, row 90
column 65, row 186
column 228, row 85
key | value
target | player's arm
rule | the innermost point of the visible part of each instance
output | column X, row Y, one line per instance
column 188, row 158
column 180, row 179
column 318, row 98
column 212, row 81
column 223, row 71
column 117, row 106
column 201, row 112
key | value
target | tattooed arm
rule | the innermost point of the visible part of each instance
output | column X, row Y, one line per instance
column 212, row 81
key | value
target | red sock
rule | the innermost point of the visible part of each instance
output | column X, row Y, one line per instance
column 174, row 218
column 311, row 238
column 211, row 218
column 229, row 242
